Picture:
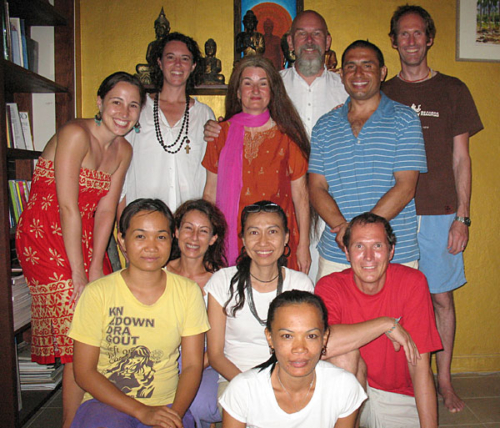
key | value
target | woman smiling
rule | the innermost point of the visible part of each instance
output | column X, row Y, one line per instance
column 239, row 296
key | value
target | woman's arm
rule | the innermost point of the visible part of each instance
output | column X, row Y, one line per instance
column 85, row 360
column 72, row 147
column 210, row 191
column 192, row 368
column 300, row 198
column 106, row 212
column 348, row 421
column 229, row 422
column 216, row 340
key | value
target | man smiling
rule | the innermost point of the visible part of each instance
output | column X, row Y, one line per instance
column 372, row 298
column 365, row 156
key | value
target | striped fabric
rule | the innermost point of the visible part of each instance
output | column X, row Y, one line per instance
column 359, row 171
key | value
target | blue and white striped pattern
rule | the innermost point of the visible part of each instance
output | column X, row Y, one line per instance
column 359, row 171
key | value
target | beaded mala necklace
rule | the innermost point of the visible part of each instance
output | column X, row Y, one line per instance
column 184, row 129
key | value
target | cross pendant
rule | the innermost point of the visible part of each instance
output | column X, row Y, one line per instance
column 188, row 149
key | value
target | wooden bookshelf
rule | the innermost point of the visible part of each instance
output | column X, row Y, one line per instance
column 16, row 85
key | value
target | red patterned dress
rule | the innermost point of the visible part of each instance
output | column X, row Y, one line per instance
column 41, row 252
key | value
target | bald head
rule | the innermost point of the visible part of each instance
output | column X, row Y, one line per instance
column 309, row 13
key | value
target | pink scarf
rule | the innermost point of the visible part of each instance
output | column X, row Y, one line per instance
column 230, row 176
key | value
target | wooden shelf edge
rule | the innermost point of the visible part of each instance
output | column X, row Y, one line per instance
column 19, row 79
column 22, row 154
column 37, row 12
column 23, row 328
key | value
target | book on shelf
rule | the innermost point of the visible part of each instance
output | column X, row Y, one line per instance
column 25, row 125
column 21, row 301
column 8, row 132
column 16, row 127
column 24, row 45
column 17, row 44
column 4, row 12
column 34, row 376
column 19, row 191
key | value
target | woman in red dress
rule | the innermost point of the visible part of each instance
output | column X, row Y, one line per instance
column 262, row 152
column 77, row 181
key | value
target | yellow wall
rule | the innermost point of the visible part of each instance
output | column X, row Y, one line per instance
column 115, row 34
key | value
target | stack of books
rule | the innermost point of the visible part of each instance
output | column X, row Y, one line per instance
column 34, row 376
column 18, row 127
column 21, row 301
column 18, row 46
column 19, row 196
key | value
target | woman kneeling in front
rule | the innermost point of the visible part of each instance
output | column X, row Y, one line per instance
column 293, row 388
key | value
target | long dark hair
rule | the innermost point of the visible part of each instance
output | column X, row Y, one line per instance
column 241, row 280
column 215, row 258
column 292, row 297
column 280, row 107
column 157, row 53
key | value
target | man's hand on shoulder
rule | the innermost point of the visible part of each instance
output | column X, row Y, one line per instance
column 211, row 130
column 340, row 231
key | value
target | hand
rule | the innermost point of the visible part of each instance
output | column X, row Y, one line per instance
column 160, row 416
column 303, row 258
column 79, row 282
column 458, row 237
column 211, row 130
column 340, row 231
column 400, row 337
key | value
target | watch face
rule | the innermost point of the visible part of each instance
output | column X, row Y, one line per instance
column 467, row 221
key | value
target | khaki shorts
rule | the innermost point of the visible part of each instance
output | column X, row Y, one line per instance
column 389, row 410
column 220, row 390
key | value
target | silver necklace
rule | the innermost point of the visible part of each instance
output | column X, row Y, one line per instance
column 251, row 304
column 286, row 390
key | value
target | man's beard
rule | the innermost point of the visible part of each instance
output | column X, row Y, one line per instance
column 309, row 67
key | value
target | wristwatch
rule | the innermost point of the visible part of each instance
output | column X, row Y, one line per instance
column 464, row 220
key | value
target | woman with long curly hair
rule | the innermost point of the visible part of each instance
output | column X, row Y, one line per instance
column 197, row 252
column 262, row 152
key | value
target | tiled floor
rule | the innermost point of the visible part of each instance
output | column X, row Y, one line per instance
column 481, row 393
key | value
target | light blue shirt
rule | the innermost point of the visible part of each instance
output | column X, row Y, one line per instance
column 359, row 171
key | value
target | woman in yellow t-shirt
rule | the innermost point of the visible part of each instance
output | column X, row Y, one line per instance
column 127, row 329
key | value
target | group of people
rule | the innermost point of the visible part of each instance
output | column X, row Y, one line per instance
column 233, row 260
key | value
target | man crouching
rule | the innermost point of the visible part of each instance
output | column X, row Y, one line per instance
column 371, row 298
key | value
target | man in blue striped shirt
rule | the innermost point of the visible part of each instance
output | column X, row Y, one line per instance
column 366, row 156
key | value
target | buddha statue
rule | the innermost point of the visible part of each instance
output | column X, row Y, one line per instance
column 162, row 28
column 250, row 41
column 212, row 65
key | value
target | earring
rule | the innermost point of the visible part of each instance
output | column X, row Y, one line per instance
column 287, row 251
column 323, row 350
column 137, row 128
column 98, row 119
column 271, row 350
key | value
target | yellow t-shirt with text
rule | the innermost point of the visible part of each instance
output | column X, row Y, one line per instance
column 139, row 344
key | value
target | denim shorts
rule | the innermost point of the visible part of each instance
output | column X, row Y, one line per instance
column 444, row 271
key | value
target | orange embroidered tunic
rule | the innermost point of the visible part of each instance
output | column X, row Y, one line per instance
column 271, row 161
column 41, row 252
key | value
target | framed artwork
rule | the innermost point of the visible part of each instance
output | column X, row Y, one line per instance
column 478, row 30
column 274, row 20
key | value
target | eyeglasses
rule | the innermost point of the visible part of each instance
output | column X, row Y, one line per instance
column 270, row 207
